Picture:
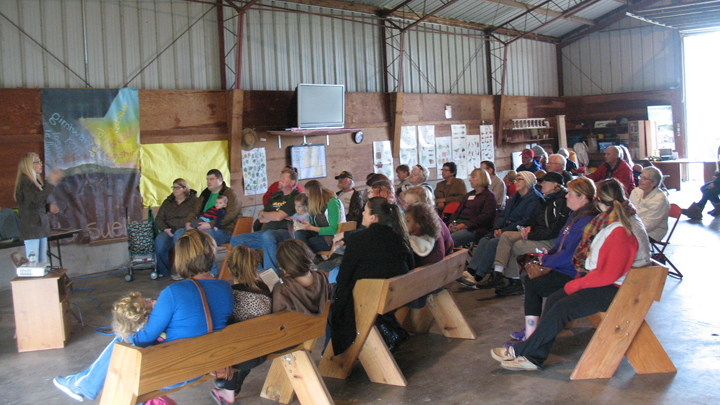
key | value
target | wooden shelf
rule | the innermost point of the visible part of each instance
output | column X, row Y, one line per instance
column 523, row 129
column 314, row 132
column 530, row 140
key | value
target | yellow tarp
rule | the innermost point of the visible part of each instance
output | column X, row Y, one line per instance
column 162, row 163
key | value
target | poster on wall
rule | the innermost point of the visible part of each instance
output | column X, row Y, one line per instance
column 94, row 137
column 309, row 160
column 487, row 143
column 473, row 152
column 443, row 152
column 459, row 155
column 426, row 139
column 408, row 146
column 254, row 167
column 458, row 130
column 383, row 159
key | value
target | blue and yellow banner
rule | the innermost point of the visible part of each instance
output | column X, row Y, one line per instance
column 94, row 137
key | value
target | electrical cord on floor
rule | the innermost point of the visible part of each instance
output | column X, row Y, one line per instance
column 98, row 329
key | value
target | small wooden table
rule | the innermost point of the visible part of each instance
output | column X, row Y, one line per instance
column 42, row 314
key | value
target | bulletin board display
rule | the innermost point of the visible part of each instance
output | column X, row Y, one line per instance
column 309, row 161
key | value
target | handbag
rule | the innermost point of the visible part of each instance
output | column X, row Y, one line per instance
column 163, row 400
column 223, row 373
column 530, row 263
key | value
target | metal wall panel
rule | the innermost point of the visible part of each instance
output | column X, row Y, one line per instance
column 531, row 69
column 284, row 47
column 123, row 37
column 629, row 56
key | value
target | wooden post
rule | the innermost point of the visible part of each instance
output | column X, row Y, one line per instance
column 379, row 363
column 561, row 132
column 449, row 317
column 123, row 376
column 398, row 104
column 277, row 386
column 305, row 379
column 235, row 126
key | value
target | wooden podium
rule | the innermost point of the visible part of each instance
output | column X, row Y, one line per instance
column 41, row 311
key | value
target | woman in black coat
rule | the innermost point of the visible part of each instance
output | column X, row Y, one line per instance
column 380, row 251
column 31, row 195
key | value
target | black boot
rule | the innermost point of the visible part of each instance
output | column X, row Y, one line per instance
column 514, row 288
column 494, row 280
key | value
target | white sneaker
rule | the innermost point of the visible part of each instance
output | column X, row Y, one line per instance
column 176, row 277
column 502, row 354
column 520, row 363
column 62, row 384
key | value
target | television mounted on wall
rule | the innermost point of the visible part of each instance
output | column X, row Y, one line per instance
column 318, row 106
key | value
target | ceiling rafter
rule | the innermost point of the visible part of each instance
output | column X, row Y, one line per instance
column 541, row 10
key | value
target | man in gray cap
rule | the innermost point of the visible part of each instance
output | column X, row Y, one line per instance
column 348, row 195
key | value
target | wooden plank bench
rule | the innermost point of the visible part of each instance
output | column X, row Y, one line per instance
column 137, row 374
column 623, row 332
column 375, row 297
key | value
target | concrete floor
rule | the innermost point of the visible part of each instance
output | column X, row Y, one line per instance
column 439, row 370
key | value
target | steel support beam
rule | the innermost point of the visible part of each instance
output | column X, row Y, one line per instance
column 221, row 44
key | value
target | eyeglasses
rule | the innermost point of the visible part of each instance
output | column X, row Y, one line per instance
column 178, row 187
column 39, row 162
column 554, row 163
column 518, row 179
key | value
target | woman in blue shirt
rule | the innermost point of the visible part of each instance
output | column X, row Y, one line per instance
column 179, row 312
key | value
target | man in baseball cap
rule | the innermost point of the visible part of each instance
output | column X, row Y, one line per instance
column 528, row 162
column 348, row 196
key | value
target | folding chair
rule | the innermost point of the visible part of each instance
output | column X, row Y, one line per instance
column 657, row 249
column 450, row 209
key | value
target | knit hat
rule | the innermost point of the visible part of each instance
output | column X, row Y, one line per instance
column 529, row 178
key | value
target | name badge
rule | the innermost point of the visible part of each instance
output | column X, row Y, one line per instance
column 472, row 197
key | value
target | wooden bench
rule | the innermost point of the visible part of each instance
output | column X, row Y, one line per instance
column 623, row 332
column 242, row 225
column 137, row 374
column 375, row 297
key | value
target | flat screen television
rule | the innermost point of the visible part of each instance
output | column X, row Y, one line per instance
column 318, row 106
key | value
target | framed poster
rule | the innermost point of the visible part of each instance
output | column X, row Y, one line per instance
column 309, row 160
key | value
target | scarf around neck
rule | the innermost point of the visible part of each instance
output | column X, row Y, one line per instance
column 591, row 230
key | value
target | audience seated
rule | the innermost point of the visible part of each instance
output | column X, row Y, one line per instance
column 351, row 199
column 710, row 192
column 444, row 243
column 609, row 247
column 178, row 313
column 528, row 162
column 614, row 167
column 570, row 165
column 476, row 214
column 252, row 299
column 280, row 206
column 556, row 163
column 418, row 177
column 275, row 187
column 541, row 157
column 651, row 203
column 497, row 185
column 580, row 196
column 215, row 187
column 382, row 250
column 402, row 172
column 520, row 211
column 171, row 217
column 326, row 213
column 451, row 188
column 539, row 234
column 509, row 181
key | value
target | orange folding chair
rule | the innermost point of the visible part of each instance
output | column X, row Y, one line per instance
column 657, row 249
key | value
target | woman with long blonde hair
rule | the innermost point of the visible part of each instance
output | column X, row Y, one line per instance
column 326, row 213
column 31, row 195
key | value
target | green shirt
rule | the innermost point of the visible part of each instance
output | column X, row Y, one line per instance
column 211, row 201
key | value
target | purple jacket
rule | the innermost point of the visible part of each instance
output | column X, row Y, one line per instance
column 561, row 260
column 477, row 212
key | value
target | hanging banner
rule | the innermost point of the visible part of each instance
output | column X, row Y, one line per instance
column 254, row 165
column 487, row 143
column 443, row 152
column 473, row 153
column 383, row 159
column 408, row 146
column 94, row 136
column 426, row 138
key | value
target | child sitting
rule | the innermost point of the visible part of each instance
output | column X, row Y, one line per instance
column 510, row 182
column 216, row 213
column 130, row 314
column 301, row 213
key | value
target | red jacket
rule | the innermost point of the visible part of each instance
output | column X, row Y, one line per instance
column 622, row 172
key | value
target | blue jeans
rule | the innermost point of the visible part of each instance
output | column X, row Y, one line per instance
column 163, row 244
column 220, row 238
column 483, row 258
column 267, row 240
column 91, row 381
column 463, row 237
column 39, row 246
column 316, row 242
